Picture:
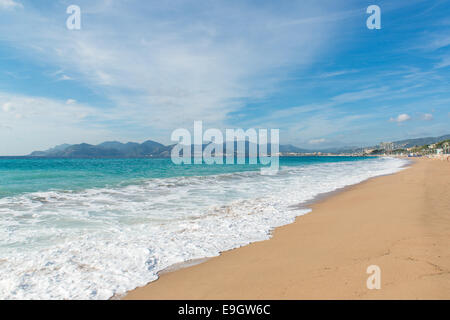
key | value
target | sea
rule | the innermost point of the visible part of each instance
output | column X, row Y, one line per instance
column 97, row 228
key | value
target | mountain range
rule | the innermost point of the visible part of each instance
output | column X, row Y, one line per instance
column 115, row 149
column 109, row 149
column 149, row 148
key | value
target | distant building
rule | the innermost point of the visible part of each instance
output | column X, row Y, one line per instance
column 439, row 151
column 387, row 146
column 446, row 148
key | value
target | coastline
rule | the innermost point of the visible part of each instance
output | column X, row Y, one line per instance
column 325, row 254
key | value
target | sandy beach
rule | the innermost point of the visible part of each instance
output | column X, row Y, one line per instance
column 399, row 222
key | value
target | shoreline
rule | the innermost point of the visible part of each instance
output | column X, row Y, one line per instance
column 281, row 267
column 300, row 206
column 324, row 196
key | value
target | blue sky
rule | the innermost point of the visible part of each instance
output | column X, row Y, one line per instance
column 137, row 70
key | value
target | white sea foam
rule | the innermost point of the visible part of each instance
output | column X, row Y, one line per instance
column 96, row 243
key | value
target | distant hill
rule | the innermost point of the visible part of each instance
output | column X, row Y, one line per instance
column 110, row 149
column 54, row 150
column 115, row 149
column 340, row 150
column 289, row 148
column 408, row 143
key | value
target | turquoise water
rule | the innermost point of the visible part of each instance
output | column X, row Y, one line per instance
column 32, row 175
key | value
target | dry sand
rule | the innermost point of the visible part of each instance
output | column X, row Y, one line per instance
column 399, row 222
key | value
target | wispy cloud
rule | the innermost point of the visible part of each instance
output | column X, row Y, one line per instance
column 317, row 141
column 337, row 73
column 438, row 41
column 445, row 62
column 200, row 62
column 360, row 95
column 427, row 116
column 10, row 4
column 64, row 77
column 36, row 122
column 7, row 107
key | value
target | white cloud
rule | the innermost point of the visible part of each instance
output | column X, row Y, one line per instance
column 427, row 116
column 328, row 107
column 337, row 73
column 7, row 107
column 445, row 62
column 10, row 4
column 71, row 101
column 360, row 95
column 317, row 141
column 65, row 77
column 201, row 61
column 401, row 118
column 439, row 41
column 40, row 123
